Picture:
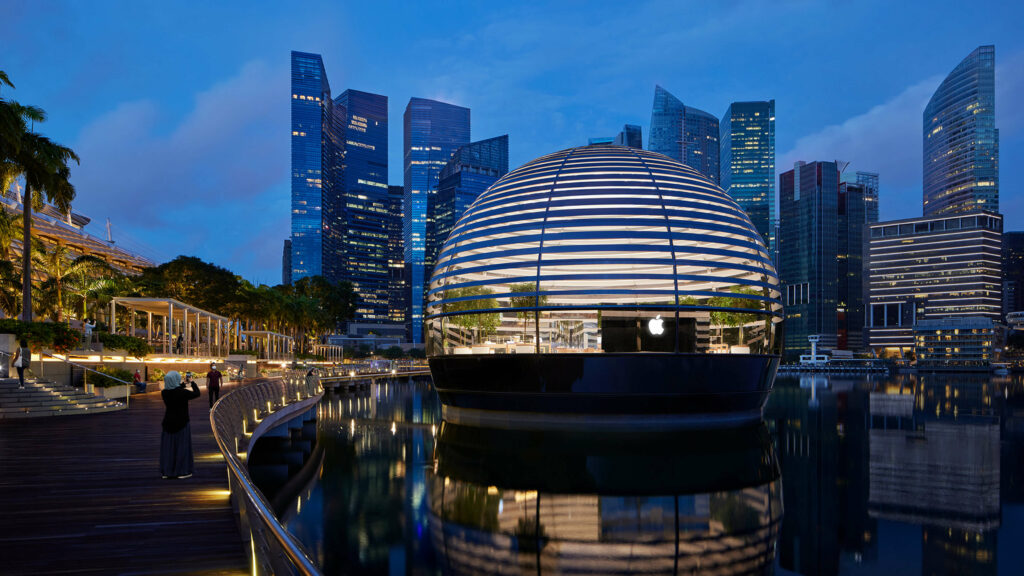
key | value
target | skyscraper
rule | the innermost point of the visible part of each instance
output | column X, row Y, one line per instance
column 471, row 170
column 631, row 135
column 364, row 192
column 869, row 180
column 808, row 253
column 747, row 143
column 286, row 263
column 684, row 133
column 432, row 132
column 312, row 122
column 398, row 290
column 961, row 142
column 853, row 215
column 1013, row 272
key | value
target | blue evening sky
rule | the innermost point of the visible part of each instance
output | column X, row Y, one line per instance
column 180, row 110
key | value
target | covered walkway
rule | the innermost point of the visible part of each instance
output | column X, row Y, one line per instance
column 199, row 332
column 270, row 345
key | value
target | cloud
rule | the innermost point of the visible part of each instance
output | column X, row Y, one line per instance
column 885, row 139
column 888, row 139
column 218, row 179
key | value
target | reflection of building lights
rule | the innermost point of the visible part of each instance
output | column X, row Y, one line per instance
column 394, row 428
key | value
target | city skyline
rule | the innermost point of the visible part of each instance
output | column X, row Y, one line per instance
column 196, row 125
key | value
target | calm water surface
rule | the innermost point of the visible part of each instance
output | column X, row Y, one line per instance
column 901, row 475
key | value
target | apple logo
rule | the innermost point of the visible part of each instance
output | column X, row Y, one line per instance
column 656, row 326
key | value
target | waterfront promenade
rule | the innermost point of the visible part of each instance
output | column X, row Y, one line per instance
column 83, row 494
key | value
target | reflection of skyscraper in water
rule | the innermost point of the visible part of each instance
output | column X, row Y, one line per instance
column 935, row 462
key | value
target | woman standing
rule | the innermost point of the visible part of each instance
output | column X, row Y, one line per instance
column 22, row 358
column 176, row 438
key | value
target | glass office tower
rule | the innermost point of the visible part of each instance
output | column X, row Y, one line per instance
column 961, row 142
column 747, row 143
column 684, row 133
column 432, row 132
column 869, row 180
column 364, row 177
column 632, row 136
column 472, row 169
column 310, row 116
column 398, row 291
column 808, row 254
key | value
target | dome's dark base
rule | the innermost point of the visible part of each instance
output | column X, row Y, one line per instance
column 620, row 390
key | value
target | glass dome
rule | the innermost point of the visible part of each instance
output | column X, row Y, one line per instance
column 601, row 249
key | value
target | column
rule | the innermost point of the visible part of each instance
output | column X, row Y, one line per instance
column 209, row 336
column 113, row 316
column 168, row 326
column 149, row 327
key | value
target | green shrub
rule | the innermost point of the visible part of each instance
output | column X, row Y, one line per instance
column 136, row 347
column 103, row 381
column 156, row 375
column 57, row 337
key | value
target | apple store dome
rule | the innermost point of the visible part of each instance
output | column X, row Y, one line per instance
column 601, row 251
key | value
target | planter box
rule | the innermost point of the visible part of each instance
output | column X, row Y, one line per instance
column 112, row 392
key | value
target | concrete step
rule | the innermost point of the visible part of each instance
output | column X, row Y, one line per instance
column 44, row 398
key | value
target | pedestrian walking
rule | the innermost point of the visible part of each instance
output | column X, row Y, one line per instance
column 179, row 344
column 176, row 459
column 213, row 379
column 22, row 358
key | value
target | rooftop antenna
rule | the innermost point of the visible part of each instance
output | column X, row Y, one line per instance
column 110, row 238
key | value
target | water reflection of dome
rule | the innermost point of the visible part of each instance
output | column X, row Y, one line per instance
column 505, row 502
column 596, row 279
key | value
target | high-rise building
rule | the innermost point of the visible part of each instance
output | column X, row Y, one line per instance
column 364, row 197
column 339, row 187
column 961, row 142
column 853, row 216
column 398, row 290
column 684, row 133
column 286, row 263
column 808, row 254
column 432, row 132
column 747, row 143
column 314, row 241
column 471, row 170
column 631, row 135
column 869, row 180
column 931, row 268
column 1013, row 272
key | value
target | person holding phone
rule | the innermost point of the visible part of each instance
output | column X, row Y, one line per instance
column 176, row 459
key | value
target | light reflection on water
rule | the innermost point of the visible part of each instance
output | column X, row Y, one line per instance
column 909, row 474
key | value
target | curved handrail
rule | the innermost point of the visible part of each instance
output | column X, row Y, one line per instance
column 229, row 420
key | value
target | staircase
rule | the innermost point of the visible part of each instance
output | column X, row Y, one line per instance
column 44, row 398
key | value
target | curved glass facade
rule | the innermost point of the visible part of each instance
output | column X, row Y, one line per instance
column 604, row 248
column 961, row 142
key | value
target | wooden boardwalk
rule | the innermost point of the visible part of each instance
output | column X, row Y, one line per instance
column 83, row 495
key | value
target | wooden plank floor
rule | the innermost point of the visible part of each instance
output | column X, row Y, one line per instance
column 83, row 495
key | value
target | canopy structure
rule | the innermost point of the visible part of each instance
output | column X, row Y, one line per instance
column 180, row 329
column 330, row 352
column 270, row 345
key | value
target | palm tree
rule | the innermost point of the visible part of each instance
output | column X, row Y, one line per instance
column 10, row 228
column 57, row 265
column 95, row 290
column 10, row 289
column 44, row 166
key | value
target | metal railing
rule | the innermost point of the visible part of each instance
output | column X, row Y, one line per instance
column 128, row 385
column 237, row 420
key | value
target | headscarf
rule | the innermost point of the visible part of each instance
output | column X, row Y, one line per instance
column 172, row 380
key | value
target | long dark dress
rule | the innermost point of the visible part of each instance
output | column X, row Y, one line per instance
column 176, row 439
